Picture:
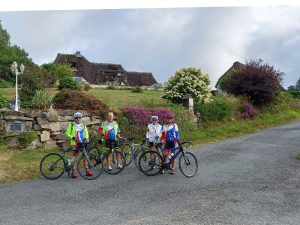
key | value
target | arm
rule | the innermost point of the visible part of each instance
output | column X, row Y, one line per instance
column 177, row 134
column 68, row 132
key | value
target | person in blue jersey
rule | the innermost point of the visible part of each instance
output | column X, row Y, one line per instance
column 78, row 135
column 170, row 136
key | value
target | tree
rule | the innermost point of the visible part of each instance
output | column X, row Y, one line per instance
column 188, row 81
column 297, row 86
column 257, row 81
column 58, row 71
column 10, row 54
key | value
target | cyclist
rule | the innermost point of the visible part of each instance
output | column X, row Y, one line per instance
column 153, row 134
column 110, row 132
column 77, row 134
column 170, row 135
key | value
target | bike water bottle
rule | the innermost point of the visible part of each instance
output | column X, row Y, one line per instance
column 170, row 157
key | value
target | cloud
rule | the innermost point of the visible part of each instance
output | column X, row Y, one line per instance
column 162, row 41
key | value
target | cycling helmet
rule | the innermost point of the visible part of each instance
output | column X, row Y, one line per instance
column 154, row 117
column 77, row 115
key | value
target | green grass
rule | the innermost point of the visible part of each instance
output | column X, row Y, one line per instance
column 20, row 165
column 118, row 98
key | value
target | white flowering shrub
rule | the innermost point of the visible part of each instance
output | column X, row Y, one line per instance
column 188, row 81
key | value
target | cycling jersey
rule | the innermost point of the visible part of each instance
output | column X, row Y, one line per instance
column 170, row 132
column 110, row 130
column 79, row 131
column 153, row 132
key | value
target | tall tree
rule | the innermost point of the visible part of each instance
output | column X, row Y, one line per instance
column 10, row 54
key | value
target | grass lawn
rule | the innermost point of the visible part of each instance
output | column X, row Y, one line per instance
column 114, row 98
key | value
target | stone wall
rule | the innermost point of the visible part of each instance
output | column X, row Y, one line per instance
column 50, row 125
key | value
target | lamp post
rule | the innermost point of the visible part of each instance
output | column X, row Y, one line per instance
column 14, row 69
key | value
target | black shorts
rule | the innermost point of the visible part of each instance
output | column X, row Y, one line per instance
column 170, row 145
column 156, row 145
column 111, row 144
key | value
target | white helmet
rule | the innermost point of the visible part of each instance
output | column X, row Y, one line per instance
column 77, row 115
column 154, row 117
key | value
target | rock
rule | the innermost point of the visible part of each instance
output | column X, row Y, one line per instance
column 45, row 136
column 18, row 118
column 50, row 143
column 35, row 144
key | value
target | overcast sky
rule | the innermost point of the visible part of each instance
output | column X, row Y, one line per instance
column 162, row 41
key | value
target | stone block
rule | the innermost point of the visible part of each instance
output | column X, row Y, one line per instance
column 45, row 136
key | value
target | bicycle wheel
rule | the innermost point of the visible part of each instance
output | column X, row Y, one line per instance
column 94, row 150
column 127, row 152
column 188, row 164
column 91, row 167
column 150, row 163
column 114, row 162
column 52, row 166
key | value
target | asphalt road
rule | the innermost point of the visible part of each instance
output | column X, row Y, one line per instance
column 250, row 180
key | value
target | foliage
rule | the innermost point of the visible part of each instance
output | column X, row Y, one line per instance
column 260, row 82
column 5, row 84
column 297, row 86
column 41, row 100
column 217, row 109
column 247, row 110
column 188, row 81
column 20, row 141
column 58, row 71
column 68, row 83
column 291, row 88
column 32, row 80
column 111, row 88
column 295, row 94
column 3, row 101
column 10, row 54
column 136, row 114
column 137, row 90
column 74, row 99
column 86, row 87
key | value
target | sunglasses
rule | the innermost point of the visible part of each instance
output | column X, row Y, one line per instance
column 77, row 118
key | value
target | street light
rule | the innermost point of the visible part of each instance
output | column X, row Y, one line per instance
column 14, row 69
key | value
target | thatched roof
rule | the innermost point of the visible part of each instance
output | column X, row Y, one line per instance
column 104, row 73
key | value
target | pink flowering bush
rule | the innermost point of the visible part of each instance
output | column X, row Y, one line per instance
column 247, row 111
column 141, row 115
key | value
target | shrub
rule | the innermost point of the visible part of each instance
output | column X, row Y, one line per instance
column 295, row 94
column 3, row 101
column 32, row 80
column 136, row 114
column 111, row 88
column 74, row 99
column 217, row 109
column 188, row 81
column 162, row 113
column 20, row 141
column 247, row 110
column 86, row 87
column 5, row 84
column 260, row 82
column 41, row 100
column 137, row 90
column 68, row 83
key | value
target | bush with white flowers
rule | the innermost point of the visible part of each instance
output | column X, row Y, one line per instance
column 188, row 81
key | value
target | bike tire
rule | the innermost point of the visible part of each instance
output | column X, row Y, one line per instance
column 112, row 155
column 94, row 164
column 150, row 163
column 52, row 162
column 127, row 152
column 188, row 159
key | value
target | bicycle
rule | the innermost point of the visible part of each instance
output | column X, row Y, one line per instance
column 152, row 163
column 53, row 165
column 133, row 151
column 112, row 154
